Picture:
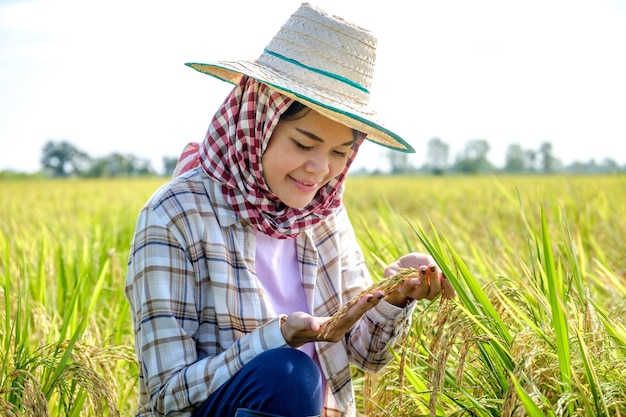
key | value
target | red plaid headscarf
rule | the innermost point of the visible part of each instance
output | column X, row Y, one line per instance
column 231, row 154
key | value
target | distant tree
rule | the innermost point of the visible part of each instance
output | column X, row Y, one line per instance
column 531, row 160
column 515, row 159
column 169, row 163
column 474, row 158
column 609, row 165
column 97, row 169
column 399, row 162
column 576, row 167
column 119, row 165
column 62, row 159
column 437, row 156
column 546, row 157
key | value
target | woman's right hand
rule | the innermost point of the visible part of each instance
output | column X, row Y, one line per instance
column 301, row 328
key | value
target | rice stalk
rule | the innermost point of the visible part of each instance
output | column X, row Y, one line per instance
column 440, row 348
column 387, row 285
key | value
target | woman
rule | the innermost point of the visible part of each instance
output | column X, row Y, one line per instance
column 241, row 258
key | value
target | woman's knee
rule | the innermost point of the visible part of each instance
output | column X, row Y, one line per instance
column 286, row 364
column 278, row 382
column 286, row 382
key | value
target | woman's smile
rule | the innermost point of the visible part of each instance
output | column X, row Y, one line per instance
column 303, row 154
column 305, row 186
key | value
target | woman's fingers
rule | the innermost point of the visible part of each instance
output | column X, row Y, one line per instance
column 434, row 281
column 429, row 285
column 410, row 260
column 365, row 303
column 447, row 288
column 334, row 330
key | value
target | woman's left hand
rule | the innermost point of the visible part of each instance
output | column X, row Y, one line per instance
column 431, row 281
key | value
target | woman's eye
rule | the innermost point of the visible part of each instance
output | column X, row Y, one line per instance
column 301, row 146
column 341, row 154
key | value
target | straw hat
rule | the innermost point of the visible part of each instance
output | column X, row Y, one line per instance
column 322, row 61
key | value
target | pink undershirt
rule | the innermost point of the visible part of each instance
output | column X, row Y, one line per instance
column 278, row 270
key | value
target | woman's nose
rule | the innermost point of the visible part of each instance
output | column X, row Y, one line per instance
column 317, row 164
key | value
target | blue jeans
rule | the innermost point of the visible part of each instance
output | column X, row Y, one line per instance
column 281, row 382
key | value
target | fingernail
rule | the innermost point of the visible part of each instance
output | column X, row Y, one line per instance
column 433, row 269
column 423, row 272
column 380, row 297
column 369, row 298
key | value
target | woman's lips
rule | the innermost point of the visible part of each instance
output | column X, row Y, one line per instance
column 304, row 186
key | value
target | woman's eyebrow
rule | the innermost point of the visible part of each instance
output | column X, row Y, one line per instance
column 316, row 138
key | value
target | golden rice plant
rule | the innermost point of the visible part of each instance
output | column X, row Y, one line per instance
column 66, row 343
column 537, row 327
column 386, row 285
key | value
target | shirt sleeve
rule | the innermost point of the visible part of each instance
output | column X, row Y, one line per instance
column 384, row 325
column 381, row 327
column 162, row 290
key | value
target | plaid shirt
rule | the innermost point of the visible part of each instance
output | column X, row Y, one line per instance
column 199, row 311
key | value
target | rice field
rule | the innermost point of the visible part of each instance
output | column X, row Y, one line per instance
column 537, row 328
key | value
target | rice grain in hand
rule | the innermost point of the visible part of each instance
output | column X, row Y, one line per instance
column 387, row 285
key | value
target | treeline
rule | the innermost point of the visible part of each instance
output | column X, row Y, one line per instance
column 61, row 159
column 474, row 159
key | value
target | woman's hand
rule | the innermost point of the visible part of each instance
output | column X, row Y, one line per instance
column 430, row 283
column 300, row 328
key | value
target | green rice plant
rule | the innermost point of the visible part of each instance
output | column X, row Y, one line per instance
column 66, row 340
column 48, row 367
column 534, row 335
column 539, row 264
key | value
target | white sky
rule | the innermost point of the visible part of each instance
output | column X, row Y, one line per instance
column 109, row 76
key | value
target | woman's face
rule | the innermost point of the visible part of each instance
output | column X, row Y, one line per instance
column 303, row 155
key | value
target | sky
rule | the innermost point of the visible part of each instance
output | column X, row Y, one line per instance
column 109, row 76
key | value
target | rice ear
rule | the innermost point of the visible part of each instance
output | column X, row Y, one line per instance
column 387, row 285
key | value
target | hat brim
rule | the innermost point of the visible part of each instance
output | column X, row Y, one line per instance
column 232, row 71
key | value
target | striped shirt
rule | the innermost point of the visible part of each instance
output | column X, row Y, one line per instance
column 200, row 313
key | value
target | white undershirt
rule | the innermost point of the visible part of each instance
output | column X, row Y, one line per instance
column 278, row 270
